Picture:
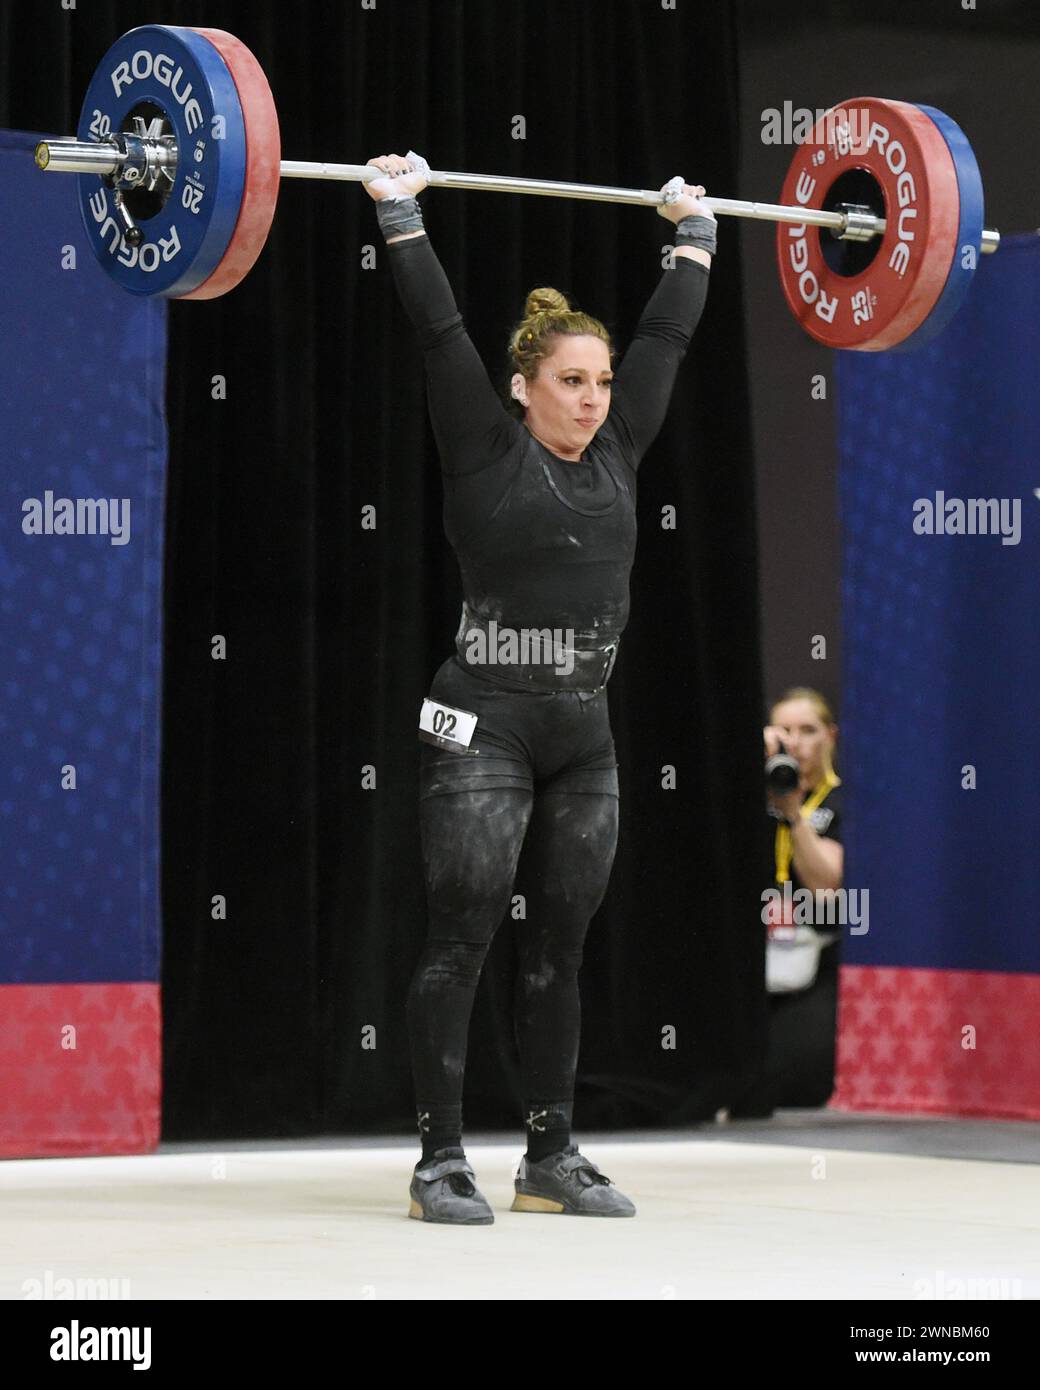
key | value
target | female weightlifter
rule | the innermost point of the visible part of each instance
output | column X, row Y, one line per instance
column 540, row 510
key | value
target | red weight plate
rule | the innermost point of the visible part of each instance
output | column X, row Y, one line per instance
column 263, row 166
column 905, row 152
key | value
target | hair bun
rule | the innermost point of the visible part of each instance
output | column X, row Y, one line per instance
column 546, row 300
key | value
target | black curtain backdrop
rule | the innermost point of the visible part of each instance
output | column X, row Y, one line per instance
column 333, row 632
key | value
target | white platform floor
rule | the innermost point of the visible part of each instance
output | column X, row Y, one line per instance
column 717, row 1218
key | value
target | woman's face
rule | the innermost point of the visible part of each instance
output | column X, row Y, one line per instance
column 805, row 735
column 569, row 398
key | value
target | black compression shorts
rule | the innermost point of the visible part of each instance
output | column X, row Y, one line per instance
column 544, row 741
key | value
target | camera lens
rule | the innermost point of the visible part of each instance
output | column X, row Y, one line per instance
column 782, row 773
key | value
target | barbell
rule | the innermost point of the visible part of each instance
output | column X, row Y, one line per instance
column 880, row 223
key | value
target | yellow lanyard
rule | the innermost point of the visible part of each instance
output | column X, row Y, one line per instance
column 782, row 848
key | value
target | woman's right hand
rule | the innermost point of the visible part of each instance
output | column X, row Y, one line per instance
column 688, row 204
column 772, row 735
column 403, row 177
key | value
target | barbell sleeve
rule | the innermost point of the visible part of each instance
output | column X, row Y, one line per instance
column 85, row 157
column 77, row 157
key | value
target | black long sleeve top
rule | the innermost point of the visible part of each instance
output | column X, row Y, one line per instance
column 543, row 542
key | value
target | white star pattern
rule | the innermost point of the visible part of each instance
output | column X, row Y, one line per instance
column 899, row 1042
column 101, row 1097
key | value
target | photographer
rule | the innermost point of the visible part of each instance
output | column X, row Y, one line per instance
column 804, row 806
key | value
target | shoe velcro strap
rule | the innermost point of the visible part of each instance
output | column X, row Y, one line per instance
column 445, row 1166
column 573, row 1161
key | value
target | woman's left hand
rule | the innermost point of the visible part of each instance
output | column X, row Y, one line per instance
column 688, row 204
column 787, row 803
column 404, row 177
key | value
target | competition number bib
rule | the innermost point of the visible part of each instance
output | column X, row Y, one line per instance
column 445, row 724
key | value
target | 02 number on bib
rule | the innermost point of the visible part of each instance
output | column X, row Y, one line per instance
column 444, row 726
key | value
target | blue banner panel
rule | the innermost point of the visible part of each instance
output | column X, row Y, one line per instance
column 939, row 479
column 82, row 490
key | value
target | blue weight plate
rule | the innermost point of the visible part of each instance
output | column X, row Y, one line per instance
column 182, row 74
column 969, row 233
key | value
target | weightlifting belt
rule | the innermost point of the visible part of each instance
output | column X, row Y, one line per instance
column 590, row 666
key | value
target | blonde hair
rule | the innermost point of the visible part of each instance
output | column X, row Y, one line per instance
column 823, row 710
column 547, row 315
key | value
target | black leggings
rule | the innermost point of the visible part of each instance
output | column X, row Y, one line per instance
column 543, row 777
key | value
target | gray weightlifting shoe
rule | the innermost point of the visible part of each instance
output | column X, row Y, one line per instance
column 444, row 1191
column 567, row 1182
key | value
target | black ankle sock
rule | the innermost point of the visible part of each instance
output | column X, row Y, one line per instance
column 548, row 1126
column 440, row 1127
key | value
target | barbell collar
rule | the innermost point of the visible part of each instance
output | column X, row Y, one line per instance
column 861, row 224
